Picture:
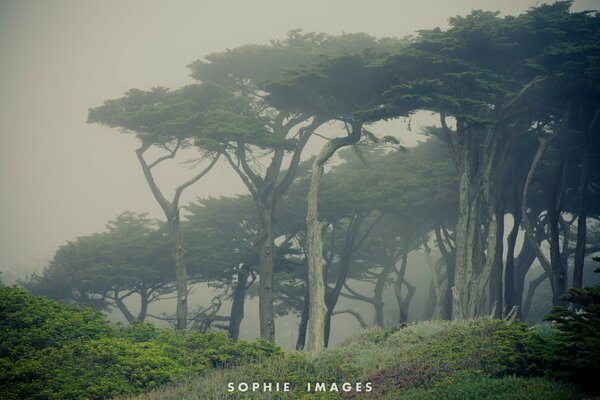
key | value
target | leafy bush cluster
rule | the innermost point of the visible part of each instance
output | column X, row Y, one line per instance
column 52, row 351
column 574, row 351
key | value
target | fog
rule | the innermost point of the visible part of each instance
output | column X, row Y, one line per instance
column 59, row 176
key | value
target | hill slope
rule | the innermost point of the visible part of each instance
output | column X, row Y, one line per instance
column 426, row 360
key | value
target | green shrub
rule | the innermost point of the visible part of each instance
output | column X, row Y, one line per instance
column 30, row 323
column 574, row 351
column 52, row 351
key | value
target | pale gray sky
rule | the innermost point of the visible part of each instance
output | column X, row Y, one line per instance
column 59, row 177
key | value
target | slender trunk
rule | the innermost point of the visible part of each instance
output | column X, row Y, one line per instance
column 181, row 275
column 402, row 307
column 434, row 307
column 143, row 306
column 581, row 219
column 496, row 300
column 529, row 232
column 523, row 264
column 316, row 283
column 317, row 308
column 345, row 261
column 450, row 260
column 123, row 308
column 265, row 290
column 237, row 305
column 533, row 285
column 583, row 193
column 509, row 273
column 303, row 321
column 554, row 210
column 378, row 318
column 430, row 309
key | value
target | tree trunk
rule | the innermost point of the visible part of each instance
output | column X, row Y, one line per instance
column 316, row 283
column 533, row 285
column 123, row 308
column 523, row 264
column 402, row 306
column 450, row 260
column 509, row 274
column 237, row 305
column 300, row 342
column 317, row 309
column 582, row 218
column 143, row 305
column 181, row 275
column 378, row 318
column 265, row 290
column 559, row 284
column 345, row 261
column 496, row 301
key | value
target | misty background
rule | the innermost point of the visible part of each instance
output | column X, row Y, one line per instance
column 61, row 178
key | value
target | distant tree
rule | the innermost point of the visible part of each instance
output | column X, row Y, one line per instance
column 168, row 121
column 104, row 269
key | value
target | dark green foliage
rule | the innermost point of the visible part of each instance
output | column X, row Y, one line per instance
column 29, row 324
column 574, row 351
column 52, row 351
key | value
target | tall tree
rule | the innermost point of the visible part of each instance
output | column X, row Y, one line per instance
column 259, row 158
column 168, row 121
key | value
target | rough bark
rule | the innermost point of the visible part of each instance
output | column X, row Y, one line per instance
column 317, row 309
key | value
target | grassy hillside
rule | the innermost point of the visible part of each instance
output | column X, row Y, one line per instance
column 426, row 360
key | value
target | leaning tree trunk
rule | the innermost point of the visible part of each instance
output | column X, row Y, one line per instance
column 237, row 304
column 316, row 283
column 378, row 316
column 345, row 261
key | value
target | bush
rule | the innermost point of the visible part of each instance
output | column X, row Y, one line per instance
column 52, row 351
column 574, row 350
